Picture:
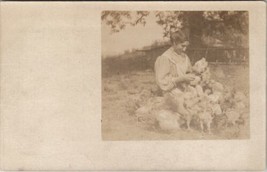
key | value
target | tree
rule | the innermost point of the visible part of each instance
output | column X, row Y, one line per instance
column 230, row 27
column 118, row 20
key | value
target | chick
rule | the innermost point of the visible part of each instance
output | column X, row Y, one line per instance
column 205, row 76
column 227, row 95
column 216, row 109
column 207, row 92
column 200, row 91
column 239, row 106
column 214, row 98
column 216, row 86
column 196, row 81
column 232, row 116
column 239, row 95
column 143, row 110
column 205, row 118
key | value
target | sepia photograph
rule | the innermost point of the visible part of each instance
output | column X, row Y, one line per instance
column 133, row 86
column 175, row 75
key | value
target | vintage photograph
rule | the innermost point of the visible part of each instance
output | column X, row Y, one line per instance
column 175, row 75
column 133, row 86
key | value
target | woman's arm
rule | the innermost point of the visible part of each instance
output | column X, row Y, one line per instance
column 163, row 76
column 189, row 64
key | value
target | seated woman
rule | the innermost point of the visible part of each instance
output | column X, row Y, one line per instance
column 171, row 70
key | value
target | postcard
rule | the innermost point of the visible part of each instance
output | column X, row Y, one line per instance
column 133, row 86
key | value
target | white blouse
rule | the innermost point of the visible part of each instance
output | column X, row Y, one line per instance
column 171, row 65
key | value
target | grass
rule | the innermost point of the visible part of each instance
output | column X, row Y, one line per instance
column 122, row 89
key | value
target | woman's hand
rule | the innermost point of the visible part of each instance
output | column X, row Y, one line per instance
column 188, row 77
column 185, row 78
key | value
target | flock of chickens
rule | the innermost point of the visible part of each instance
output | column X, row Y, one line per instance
column 204, row 99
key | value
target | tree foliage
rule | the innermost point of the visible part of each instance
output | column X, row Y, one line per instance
column 118, row 20
column 230, row 27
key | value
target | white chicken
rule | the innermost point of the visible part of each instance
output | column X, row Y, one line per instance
column 205, row 118
column 168, row 120
column 200, row 66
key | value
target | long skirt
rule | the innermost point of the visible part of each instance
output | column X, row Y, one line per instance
column 174, row 100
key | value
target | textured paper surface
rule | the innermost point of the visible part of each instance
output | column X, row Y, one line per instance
column 51, row 94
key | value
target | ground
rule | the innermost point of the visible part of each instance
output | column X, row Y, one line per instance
column 119, row 123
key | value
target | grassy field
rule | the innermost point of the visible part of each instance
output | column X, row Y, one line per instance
column 125, row 80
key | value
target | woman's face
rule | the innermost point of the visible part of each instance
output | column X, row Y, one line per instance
column 180, row 47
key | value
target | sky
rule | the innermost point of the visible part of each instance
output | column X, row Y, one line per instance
column 131, row 37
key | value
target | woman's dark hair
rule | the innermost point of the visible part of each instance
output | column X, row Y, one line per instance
column 179, row 36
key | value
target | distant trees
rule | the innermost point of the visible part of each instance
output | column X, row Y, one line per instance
column 205, row 27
